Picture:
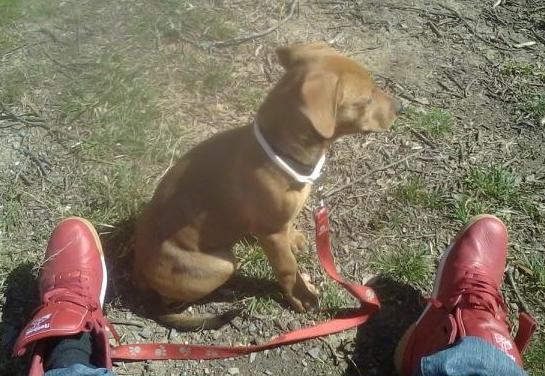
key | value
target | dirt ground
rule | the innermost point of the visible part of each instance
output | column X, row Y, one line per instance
column 98, row 98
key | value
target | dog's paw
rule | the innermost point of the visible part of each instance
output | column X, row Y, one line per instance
column 298, row 241
column 305, row 296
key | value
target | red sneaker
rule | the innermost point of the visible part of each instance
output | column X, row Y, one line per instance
column 72, row 288
column 466, row 299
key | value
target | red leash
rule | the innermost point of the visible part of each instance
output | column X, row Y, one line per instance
column 365, row 295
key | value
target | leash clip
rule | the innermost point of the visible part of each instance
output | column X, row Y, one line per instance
column 321, row 203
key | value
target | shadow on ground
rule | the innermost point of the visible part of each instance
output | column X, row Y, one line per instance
column 21, row 294
column 118, row 248
column 376, row 340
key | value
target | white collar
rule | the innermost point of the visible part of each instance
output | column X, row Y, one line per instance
column 304, row 179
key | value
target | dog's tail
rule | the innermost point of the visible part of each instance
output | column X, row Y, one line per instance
column 188, row 322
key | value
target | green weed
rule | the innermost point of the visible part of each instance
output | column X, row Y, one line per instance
column 249, row 99
column 535, row 107
column 523, row 70
column 333, row 297
column 466, row 207
column 253, row 262
column 207, row 75
column 261, row 305
column 114, row 195
column 436, row 122
column 414, row 192
column 10, row 10
column 13, row 83
column 117, row 103
column 406, row 265
column 212, row 23
column 534, row 357
column 495, row 182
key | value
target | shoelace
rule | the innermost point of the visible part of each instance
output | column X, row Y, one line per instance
column 73, row 293
column 477, row 291
column 70, row 288
column 480, row 292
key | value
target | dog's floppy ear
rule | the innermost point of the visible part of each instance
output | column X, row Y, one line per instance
column 296, row 53
column 319, row 96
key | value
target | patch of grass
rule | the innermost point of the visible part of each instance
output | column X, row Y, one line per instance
column 195, row 21
column 211, row 23
column 436, row 122
column 495, row 182
column 534, row 266
column 535, row 107
column 533, row 210
column 523, row 70
column 388, row 219
column 411, row 265
column 10, row 10
column 114, row 195
column 7, row 41
column 13, row 83
column 253, row 262
column 118, row 104
column 208, row 75
column 39, row 9
column 414, row 192
column 332, row 296
column 534, row 358
column 466, row 207
column 13, row 10
column 249, row 99
column 12, row 212
column 261, row 305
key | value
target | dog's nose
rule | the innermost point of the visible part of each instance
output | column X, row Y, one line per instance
column 398, row 106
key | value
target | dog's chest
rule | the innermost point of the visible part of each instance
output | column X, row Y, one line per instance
column 279, row 209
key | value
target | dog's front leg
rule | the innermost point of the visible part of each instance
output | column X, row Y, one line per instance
column 301, row 294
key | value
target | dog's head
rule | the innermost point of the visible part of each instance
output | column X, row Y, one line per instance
column 335, row 94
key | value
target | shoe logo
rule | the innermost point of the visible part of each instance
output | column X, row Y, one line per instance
column 504, row 344
column 38, row 324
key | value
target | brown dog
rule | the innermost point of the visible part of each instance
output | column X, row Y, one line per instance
column 237, row 183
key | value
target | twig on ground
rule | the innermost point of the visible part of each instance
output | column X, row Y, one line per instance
column 466, row 90
column 420, row 10
column 15, row 49
column 435, row 29
column 511, row 280
column 41, row 168
column 334, row 354
column 11, row 116
column 247, row 38
column 422, row 138
column 454, row 80
column 365, row 176
column 128, row 323
column 349, row 359
column 471, row 28
column 539, row 37
column 51, row 35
